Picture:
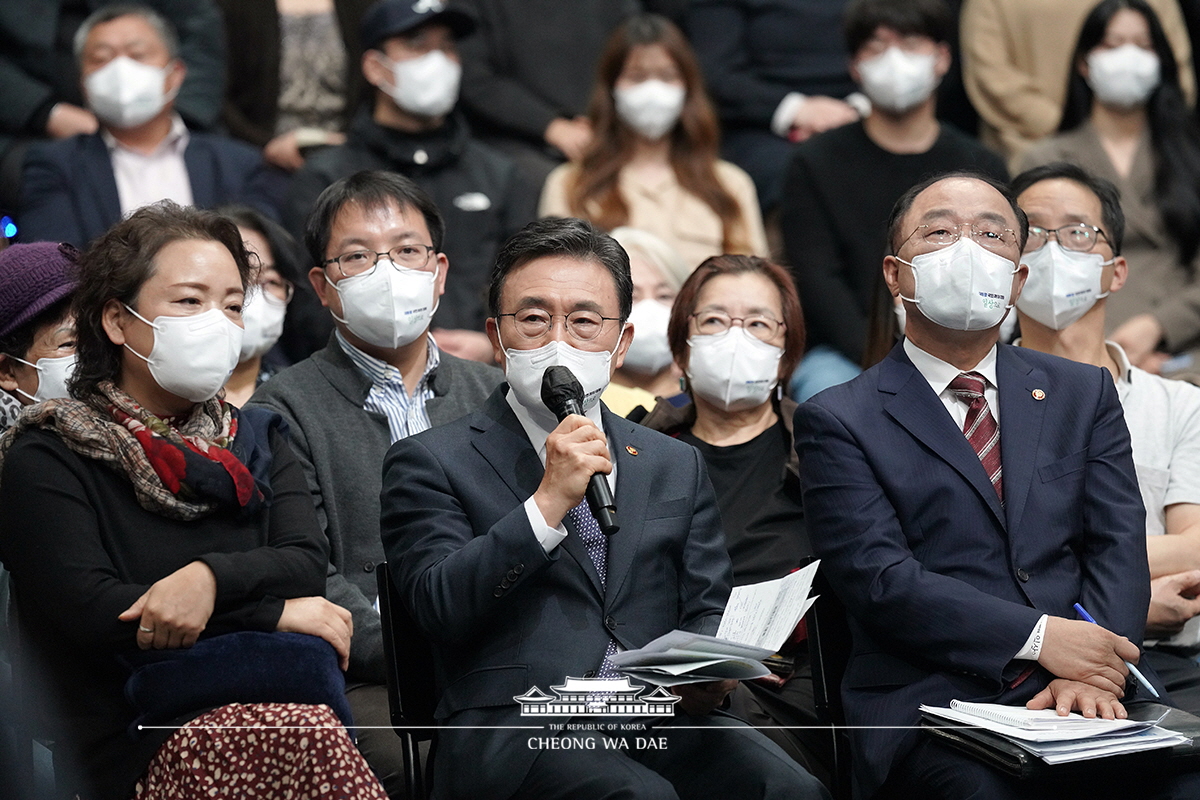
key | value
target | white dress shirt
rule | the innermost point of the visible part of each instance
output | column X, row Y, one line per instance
column 145, row 178
column 939, row 374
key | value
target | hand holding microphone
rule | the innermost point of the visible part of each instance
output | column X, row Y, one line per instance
column 576, row 456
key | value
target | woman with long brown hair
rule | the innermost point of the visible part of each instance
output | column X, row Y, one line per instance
column 653, row 161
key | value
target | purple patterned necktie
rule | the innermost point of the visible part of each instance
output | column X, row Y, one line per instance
column 596, row 544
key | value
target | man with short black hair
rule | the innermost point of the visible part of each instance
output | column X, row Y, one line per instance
column 498, row 557
column 1075, row 262
column 375, row 240
column 411, row 59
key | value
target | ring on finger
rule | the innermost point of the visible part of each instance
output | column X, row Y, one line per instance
column 144, row 629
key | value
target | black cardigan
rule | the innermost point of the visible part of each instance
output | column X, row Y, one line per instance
column 81, row 550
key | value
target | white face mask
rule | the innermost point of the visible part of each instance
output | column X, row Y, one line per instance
column 651, row 107
column 427, row 85
column 1123, row 76
column 649, row 352
column 964, row 287
column 262, row 318
column 53, row 374
column 126, row 93
column 192, row 356
column 1063, row 285
column 524, row 369
column 388, row 307
column 734, row 370
column 898, row 80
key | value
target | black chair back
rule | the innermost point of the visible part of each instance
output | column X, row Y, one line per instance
column 412, row 686
column 829, row 652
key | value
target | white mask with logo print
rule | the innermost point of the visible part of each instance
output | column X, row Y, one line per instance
column 964, row 287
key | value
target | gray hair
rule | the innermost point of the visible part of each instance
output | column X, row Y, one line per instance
column 162, row 26
column 656, row 252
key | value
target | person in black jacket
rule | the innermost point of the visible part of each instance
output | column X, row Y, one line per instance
column 412, row 61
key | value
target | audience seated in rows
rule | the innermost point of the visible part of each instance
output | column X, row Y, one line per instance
column 948, row 495
column 1075, row 267
column 841, row 185
column 1125, row 120
column 75, row 189
column 411, row 59
column 777, row 72
column 652, row 163
column 146, row 522
column 507, row 571
column 737, row 332
column 376, row 240
column 294, row 80
column 1016, row 62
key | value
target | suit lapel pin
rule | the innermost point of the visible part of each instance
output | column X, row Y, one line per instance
column 1038, row 394
column 631, row 450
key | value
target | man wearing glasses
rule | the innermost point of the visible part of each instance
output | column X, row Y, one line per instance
column 375, row 242
column 1073, row 253
column 963, row 496
column 498, row 556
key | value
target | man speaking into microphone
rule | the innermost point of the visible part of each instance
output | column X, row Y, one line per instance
column 495, row 551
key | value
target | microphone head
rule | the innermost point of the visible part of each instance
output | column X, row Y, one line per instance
column 559, row 388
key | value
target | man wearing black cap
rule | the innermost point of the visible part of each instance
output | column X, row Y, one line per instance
column 411, row 58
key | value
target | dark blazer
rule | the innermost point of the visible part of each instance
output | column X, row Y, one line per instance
column 502, row 614
column 69, row 193
column 942, row 582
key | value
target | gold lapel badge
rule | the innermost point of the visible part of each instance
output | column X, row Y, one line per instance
column 631, row 449
column 1038, row 394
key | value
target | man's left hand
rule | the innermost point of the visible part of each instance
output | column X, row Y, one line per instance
column 698, row 699
column 1065, row 696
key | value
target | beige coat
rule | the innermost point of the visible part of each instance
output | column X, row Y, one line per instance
column 669, row 211
column 1157, row 283
column 1015, row 58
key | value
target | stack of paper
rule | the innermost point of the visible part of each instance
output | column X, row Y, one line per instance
column 758, row 620
column 1055, row 739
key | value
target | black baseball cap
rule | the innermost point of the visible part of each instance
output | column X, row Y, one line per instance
column 388, row 18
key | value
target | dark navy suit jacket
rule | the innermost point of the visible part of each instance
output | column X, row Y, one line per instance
column 942, row 582
column 504, row 615
column 69, row 193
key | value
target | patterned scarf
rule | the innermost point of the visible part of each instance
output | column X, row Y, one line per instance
column 182, row 471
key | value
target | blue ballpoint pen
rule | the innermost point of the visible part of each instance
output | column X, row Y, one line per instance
column 1141, row 678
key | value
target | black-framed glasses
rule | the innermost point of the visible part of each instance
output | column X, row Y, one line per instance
column 991, row 235
column 760, row 326
column 582, row 325
column 362, row 262
column 1077, row 236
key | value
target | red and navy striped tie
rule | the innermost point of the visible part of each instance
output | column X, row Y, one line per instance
column 980, row 427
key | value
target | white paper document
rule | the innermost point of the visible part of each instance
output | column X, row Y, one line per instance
column 757, row 622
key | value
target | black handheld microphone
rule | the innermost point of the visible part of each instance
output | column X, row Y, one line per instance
column 563, row 395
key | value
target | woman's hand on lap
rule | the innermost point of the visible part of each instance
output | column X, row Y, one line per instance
column 175, row 610
column 319, row 617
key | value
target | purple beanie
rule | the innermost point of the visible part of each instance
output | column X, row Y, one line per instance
column 34, row 277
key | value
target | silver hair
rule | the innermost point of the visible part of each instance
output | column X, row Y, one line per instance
column 162, row 26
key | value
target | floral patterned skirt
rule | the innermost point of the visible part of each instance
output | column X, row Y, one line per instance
column 287, row 751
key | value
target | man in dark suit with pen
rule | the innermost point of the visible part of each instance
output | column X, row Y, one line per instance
column 504, row 567
column 964, row 495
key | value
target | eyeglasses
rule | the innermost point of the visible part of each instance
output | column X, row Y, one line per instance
column 279, row 288
column 535, row 323
column 760, row 326
column 362, row 262
column 987, row 234
column 1078, row 237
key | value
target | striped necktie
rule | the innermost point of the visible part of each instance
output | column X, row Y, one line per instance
column 980, row 427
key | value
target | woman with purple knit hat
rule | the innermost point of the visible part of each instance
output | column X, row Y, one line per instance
column 37, row 328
